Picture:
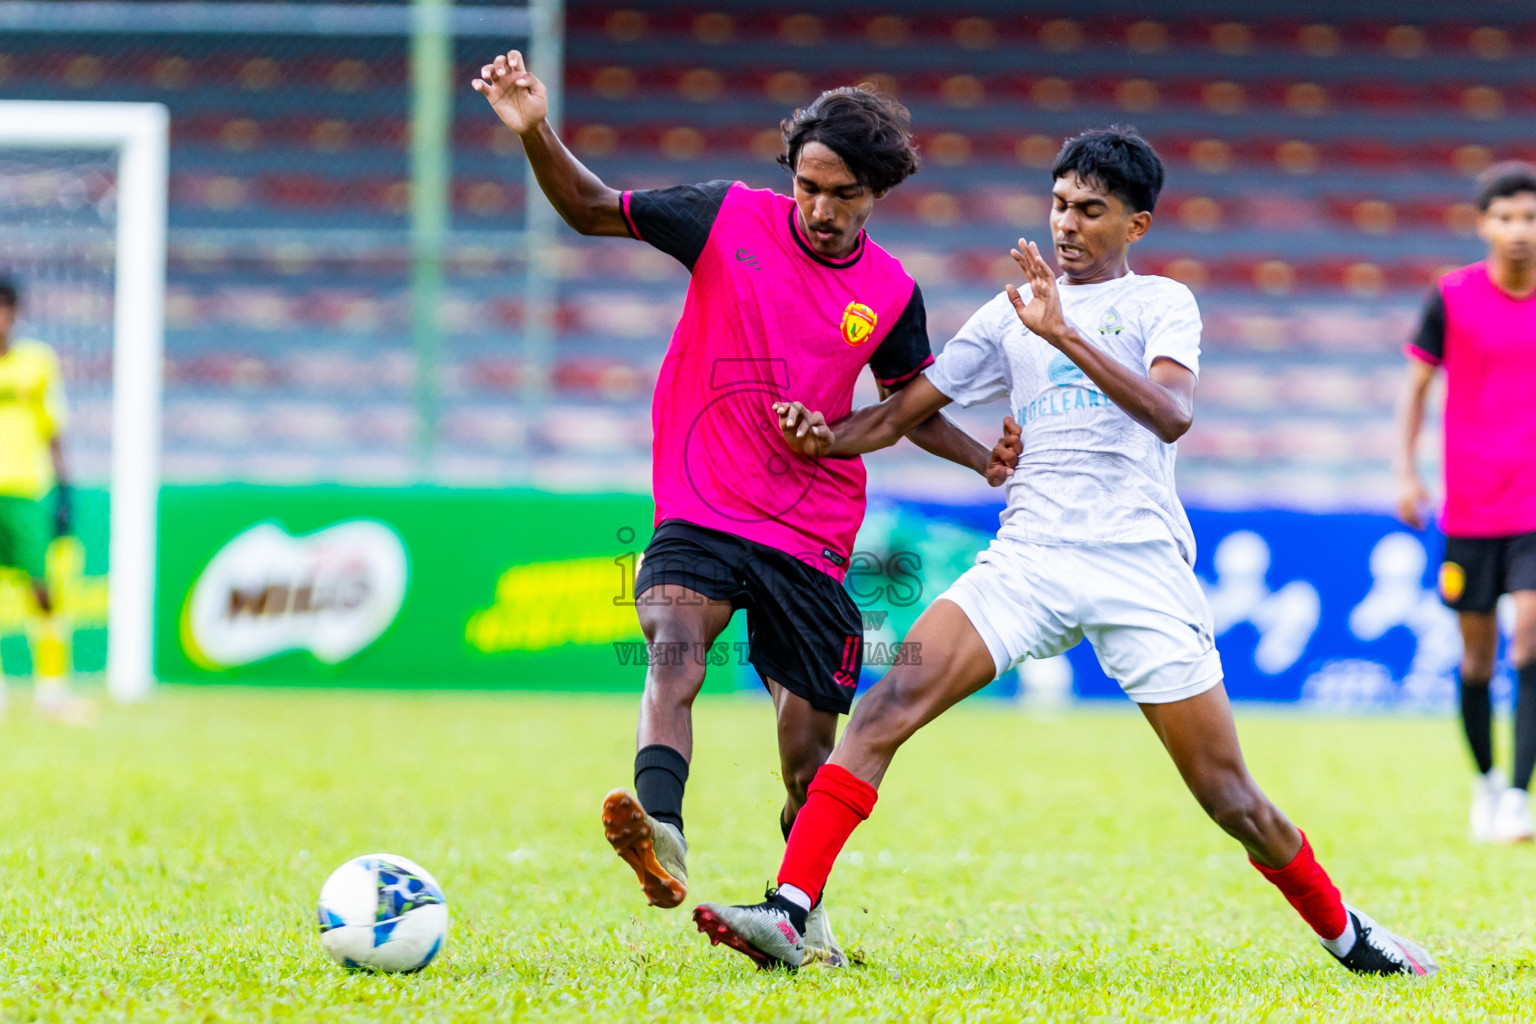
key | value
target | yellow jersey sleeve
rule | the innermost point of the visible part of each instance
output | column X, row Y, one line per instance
column 32, row 414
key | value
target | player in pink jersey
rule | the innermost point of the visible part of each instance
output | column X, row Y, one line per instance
column 788, row 295
column 1480, row 325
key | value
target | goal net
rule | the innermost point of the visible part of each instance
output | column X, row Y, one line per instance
column 82, row 218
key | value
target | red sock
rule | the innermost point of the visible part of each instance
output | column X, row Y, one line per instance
column 1307, row 887
column 837, row 801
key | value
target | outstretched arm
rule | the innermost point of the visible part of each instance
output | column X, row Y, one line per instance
column 912, row 412
column 1163, row 401
column 520, row 100
column 939, row 435
column 863, row 430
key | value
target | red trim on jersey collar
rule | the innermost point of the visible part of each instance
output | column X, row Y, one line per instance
column 805, row 245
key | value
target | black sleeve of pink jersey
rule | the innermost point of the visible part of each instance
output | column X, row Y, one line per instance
column 905, row 351
column 1429, row 343
column 675, row 220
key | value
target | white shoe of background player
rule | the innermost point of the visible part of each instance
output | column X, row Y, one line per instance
column 1486, row 790
column 1512, row 818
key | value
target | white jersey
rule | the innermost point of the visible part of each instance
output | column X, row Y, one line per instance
column 1089, row 473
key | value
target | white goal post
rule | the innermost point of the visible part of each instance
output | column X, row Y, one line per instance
column 140, row 134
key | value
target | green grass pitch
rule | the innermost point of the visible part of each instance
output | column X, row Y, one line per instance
column 1019, row 867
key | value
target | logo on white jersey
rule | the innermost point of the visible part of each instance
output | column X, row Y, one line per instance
column 1064, row 372
column 1110, row 322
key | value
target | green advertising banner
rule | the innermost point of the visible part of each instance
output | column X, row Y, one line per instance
column 402, row 587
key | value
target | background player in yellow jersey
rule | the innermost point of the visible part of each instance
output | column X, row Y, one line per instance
column 32, row 420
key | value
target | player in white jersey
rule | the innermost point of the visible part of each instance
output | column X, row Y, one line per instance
column 1099, row 369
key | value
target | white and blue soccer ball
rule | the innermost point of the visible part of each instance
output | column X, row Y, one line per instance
column 383, row 913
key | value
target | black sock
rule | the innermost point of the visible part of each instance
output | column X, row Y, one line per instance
column 797, row 913
column 1525, row 727
column 1477, row 722
column 660, row 775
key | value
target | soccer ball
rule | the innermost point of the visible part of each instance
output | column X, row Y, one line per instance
column 383, row 913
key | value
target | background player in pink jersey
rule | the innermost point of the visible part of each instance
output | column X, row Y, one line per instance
column 1099, row 369
column 786, row 295
column 1480, row 325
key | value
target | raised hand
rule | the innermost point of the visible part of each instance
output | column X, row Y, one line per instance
column 1042, row 313
column 1005, row 454
column 804, row 431
column 518, row 97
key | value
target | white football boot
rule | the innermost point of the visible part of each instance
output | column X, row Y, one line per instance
column 1512, row 818
column 1378, row 951
column 821, row 948
column 764, row 932
column 1486, row 790
column 656, row 851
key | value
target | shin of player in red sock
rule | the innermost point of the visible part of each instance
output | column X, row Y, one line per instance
column 1307, row 887
column 836, row 801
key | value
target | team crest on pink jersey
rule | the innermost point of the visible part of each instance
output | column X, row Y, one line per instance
column 858, row 323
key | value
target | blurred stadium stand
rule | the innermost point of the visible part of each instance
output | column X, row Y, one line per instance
column 1320, row 160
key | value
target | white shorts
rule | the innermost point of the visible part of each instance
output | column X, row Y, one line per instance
column 1138, row 603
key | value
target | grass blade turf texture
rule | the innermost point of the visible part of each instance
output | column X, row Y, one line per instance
column 165, row 865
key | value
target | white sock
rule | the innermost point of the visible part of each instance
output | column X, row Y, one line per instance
column 1346, row 940
column 799, row 897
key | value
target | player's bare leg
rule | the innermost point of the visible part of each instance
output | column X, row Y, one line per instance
column 679, row 624
column 951, row 663
column 806, row 738
column 1201, row 737
column 1511, row 820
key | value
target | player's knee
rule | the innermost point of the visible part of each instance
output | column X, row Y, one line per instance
column 675, row 662
column 1522, row 646
column 1476, row 668
column 673, row 684
column 674, row 676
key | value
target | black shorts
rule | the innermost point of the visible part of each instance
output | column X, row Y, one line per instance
column 1478, row 570
column 803, row 630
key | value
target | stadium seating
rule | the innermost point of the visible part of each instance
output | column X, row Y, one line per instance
column 1320, row 161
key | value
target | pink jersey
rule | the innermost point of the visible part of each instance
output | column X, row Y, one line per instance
column 767, row 319
column 1486, row 339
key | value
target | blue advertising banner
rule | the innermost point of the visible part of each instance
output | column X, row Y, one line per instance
column 1338, row 611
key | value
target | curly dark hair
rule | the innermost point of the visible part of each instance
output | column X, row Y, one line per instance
column 870, row 131
column 1503, row 180
column 1116, row 159
column 9, row 293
